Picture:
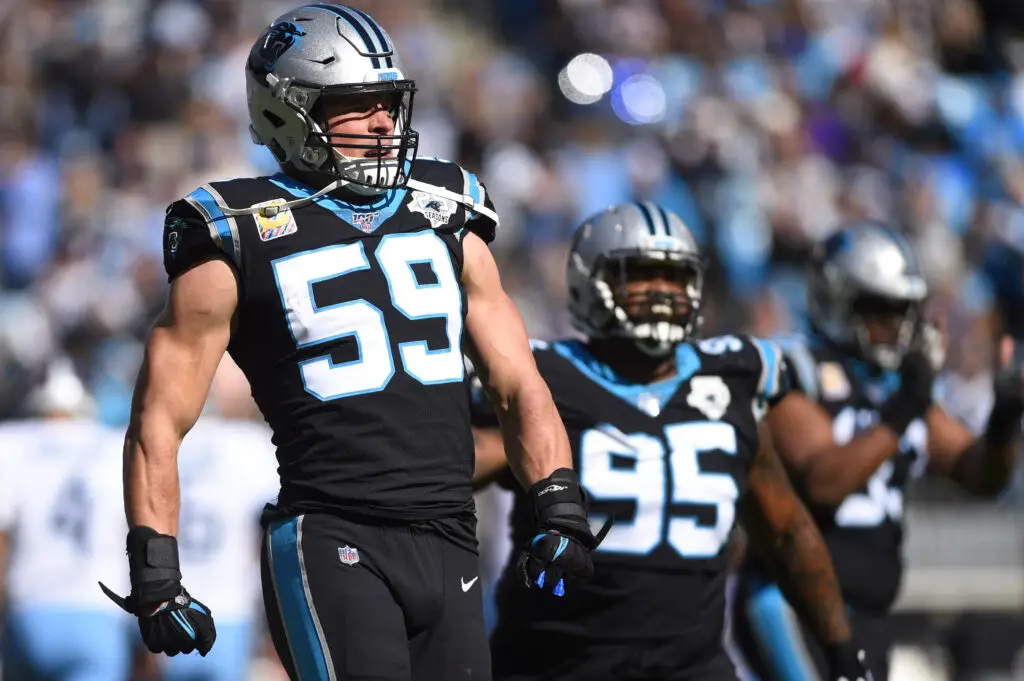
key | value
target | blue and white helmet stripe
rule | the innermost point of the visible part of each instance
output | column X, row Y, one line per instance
column 364, row 26
column 385, row 46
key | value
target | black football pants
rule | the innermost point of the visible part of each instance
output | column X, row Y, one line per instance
column 348, row 601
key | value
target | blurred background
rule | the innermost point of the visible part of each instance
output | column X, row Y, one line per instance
column 762, row 123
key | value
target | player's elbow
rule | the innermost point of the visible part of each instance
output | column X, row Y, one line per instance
column 821, row 486
column 516, row 389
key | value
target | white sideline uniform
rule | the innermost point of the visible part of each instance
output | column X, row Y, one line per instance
column 228, row 471
column 61, row 506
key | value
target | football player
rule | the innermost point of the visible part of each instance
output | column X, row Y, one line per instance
column 345, row 288
column 62, row 521
column 861, row 426
column 664, row 431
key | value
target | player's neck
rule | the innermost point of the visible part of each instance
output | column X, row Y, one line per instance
column 630, row 363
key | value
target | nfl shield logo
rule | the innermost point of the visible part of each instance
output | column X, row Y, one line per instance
column 365, row 221
column 348, row 555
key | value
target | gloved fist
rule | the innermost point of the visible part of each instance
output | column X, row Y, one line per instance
column 560, row 551
column 914, row 396
column 1008, row 383
column 848, row 662
column 1008, row 388
column 170, row 621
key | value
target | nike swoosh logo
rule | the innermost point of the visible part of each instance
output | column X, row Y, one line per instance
column 466, row 586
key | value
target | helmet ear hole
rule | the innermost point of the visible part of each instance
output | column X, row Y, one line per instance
column 273, row 118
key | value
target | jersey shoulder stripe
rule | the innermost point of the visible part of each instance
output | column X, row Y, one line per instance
column 210, row 204
column 802, row 363
column 772, row 382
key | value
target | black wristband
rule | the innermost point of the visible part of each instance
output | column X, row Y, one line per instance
column 558, row 495
column 153, row 566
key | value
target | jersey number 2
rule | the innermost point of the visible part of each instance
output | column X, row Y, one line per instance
column 655, row 481
column 311, row 324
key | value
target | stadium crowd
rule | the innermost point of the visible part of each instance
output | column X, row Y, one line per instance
column 763, row 123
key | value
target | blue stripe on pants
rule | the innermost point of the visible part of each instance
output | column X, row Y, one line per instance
column 777, row 632
column 293, row 601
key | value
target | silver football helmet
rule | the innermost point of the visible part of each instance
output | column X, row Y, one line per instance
column 866, row 264
column 320, row 51
column 603, row 250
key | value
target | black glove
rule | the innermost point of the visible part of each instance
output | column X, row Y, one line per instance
column 560, row 551
column 914, row 395
column 847, row 662
column 170, row 621
column 1008, row 391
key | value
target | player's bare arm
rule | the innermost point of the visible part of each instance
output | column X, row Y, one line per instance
column 533, row 434
column 779, row 527
column 825, row 471
column 982, row 465
column 182, row 355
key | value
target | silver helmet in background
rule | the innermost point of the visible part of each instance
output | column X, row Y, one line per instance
column 866, row 269
column 329, row 51
column 604, row 250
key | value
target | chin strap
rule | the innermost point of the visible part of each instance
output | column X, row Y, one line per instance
column 272, row 211
column 461, row 199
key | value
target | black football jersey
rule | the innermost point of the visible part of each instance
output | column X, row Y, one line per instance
column 349, row 330
column 865, row 532
column 670, row 460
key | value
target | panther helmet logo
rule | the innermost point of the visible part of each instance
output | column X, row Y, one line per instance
column 281, row 37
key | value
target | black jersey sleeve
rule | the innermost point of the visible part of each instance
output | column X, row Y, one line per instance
column 195, row 231
column 774, row 380
column 484, row 227
column 801, row 366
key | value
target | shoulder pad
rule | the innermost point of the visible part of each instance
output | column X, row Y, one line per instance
column 803, row 366
column 450, row 181
column 191, row 237
column 210, row 204
column 755, row 357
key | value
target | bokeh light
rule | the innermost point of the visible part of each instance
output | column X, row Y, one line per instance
column 640, row 100
column 585, row 79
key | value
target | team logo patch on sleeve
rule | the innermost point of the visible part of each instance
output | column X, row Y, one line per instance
column 274, row 225
column 436, row 209
column 174, row 228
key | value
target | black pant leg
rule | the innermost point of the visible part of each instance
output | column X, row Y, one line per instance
column 331, row 615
